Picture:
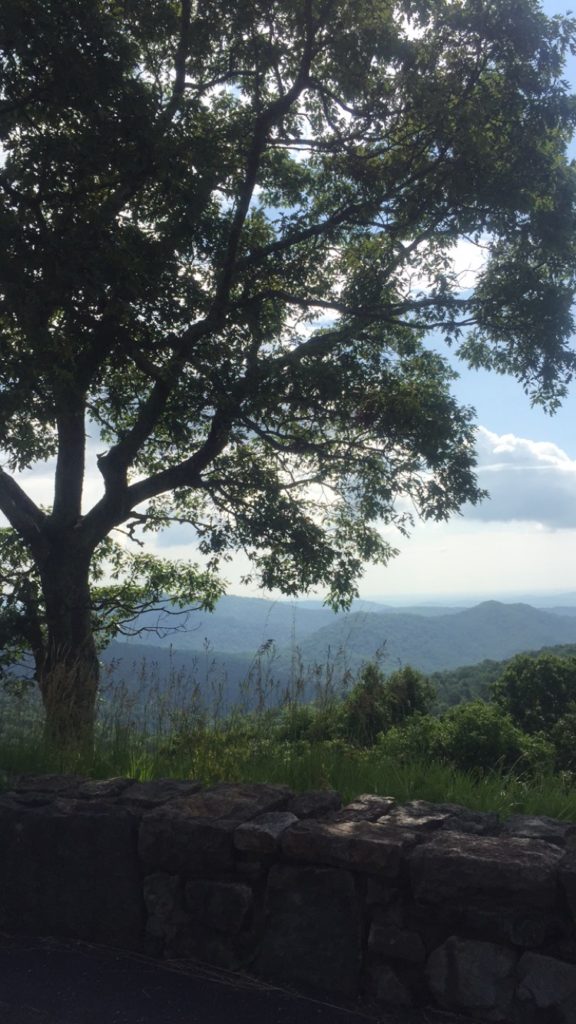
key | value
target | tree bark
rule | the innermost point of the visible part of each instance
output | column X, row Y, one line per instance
column 69, row 673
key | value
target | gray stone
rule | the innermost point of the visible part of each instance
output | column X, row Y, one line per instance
column 71, row 874
column 366, row 807
column 148, row 795
column 261, row 835
column 55, row 785
column 238, row 801
column 520, row 925
column 221, row 905
column 547, row 987
column 473, row 977
column 568, row 879
column 163, row 898
column 195, row 835
column 466, row 868
column 358, row 845
column 551, row 830
column 422, row 814
column 104, row 789
column 380, row 893
column 386, row 987
column 250, row 869
column 313, row 930
column 31, row 799
column 396, row 943
column 392, row 916
column 315, row 803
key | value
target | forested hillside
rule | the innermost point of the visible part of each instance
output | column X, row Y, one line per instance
column 293, row 638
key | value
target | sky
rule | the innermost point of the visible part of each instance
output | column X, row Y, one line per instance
column 522, row 540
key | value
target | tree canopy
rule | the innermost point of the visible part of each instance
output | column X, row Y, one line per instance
column 537, row 692
column 227, row 232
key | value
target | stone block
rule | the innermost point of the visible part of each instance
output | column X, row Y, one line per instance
column 164, row 901
column 313, row 930
column 366, row 807
column 54, row 785
column 147, row 795
column 387, row 988
column 174, row 841
column 315, row 803
column 473, row 977
column 194, row 835
column 568, row 879
column 546, row 990
column 522, row 926
column 71, row 874
column 550, row 830
column 104, row 789
column 380, row 893
column 220, row 905
column 357, row 845
column 422, row 814
column 260, row 836
column 468, row 868
column 396, row 943
column 237, row 802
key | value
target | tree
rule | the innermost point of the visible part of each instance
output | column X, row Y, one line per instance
column 408, row 692
column 376, row 703
column 226, row 232
column 536, row 692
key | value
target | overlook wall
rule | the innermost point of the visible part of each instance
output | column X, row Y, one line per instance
column 419, row 904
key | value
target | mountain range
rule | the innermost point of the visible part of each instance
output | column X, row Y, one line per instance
column 242, row 632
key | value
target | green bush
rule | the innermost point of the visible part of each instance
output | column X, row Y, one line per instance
column 407, row 692
column 365, row 710
column 417, row 739
column 536, row 692
column 377, row 703
column 309, row 722
column 563, row 736
column 481, row 736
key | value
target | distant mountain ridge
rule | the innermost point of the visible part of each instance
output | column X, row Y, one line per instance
column 428, row 639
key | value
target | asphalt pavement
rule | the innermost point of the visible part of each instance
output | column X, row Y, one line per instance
column 43, row 981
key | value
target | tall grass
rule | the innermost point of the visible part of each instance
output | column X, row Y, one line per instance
column 180, row 728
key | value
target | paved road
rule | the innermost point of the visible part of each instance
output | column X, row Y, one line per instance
column 48, row 982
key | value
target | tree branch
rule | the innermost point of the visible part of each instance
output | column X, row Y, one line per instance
column 21, row 512
column 264, row 123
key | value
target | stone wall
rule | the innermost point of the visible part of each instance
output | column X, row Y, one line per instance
column 420, row 904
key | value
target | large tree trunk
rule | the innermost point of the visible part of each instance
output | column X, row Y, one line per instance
column 68, row 675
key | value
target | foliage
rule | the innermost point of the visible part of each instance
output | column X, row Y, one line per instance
column 376, row 702
column 408, row 692
column 536, row 692
column 479, row 735
column 563, row 736
column 196, row 745
column 226, row 231
column 418, row 739
column 124, row 583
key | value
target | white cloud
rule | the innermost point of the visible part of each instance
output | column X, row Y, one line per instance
column 528, row 481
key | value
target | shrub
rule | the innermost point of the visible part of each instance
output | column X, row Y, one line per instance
column 376, row 703
column 407, row 692
column 481, row 736
column 365, row 712
column 536, row 692
column 563, row 736
column 418, row 738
